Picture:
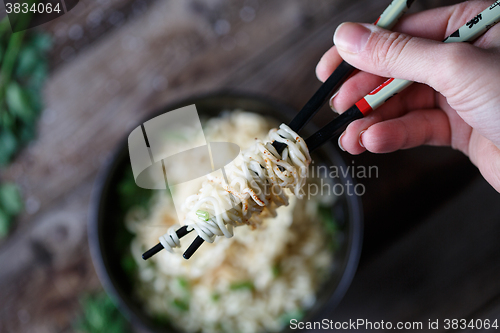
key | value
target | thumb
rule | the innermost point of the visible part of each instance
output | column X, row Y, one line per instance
column 392, row 54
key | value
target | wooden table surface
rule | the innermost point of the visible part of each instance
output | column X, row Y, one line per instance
column 432, row 225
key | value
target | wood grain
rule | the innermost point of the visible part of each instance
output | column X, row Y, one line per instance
column 443, row 269
column 162, row 51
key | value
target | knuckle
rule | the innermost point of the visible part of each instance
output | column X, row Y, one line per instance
column 377, row 139
column 389, row 50
column 451, row 63
column 453, row 58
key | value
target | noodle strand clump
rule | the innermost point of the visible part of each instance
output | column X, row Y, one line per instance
column 251, row 188
column 250, row 283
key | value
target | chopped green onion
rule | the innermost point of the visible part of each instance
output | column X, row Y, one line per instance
column 297, row 314
column 326, row 216
column 202, row 215
column 215, row 297
column 184, row 283
column 331, row 227
column 241, row 285
column 128, row 264
column 181, row 305
column 161, row 319
column 276, row 269
column 219, row 327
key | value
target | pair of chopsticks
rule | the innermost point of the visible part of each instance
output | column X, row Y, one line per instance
column 387, row 20
column 468, row 32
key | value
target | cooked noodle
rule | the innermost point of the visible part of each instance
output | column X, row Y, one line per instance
column 254, row 281
column 257, row 178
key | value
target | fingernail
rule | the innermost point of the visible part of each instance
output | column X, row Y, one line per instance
column 351, row 37
column 331, row 101
column 317, row 70
column 340, row 143
column 360, row 140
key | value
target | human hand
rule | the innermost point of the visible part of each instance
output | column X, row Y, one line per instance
column 455, row 102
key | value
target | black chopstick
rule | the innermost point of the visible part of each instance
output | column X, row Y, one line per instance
column 181, row 232
column 388, row 18
column 193, row 247
column 320, row 97
column 333, row 128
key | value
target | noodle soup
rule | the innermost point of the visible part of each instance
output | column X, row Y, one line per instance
column 256, row 281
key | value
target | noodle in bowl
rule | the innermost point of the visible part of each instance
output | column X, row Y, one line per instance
column 265, row 275
column 294, row 266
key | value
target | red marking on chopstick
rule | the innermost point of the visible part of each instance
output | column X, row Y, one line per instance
column 364, row 107
column 377, row 21
column 376, row 90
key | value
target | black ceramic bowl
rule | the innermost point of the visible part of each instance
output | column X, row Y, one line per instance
column 106, row 229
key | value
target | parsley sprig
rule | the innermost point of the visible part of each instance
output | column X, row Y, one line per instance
column 10, row 205
column 23, row 71
column 100, row 315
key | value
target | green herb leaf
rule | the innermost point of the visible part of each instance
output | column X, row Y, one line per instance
column 38, row 75
column 6, row 119
column 5, row 222
column 96, row 313
column 23, row 70
column 27, row 132
column 18, row 101
column 10, row 199
column 99, row 314
column 27, row 61
column 8, row 145
column 42, row 42
column 4, row 25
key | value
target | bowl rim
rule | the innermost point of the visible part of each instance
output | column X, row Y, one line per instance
column 112, row 162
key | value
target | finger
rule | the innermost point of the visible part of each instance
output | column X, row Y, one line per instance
column 354, row 89
column 486, row 156
column 350, row 139
column 416, row 97
column 420, row 97
column 465, row 74
column 327, row 64
column 490, row 39
column 422, row 127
